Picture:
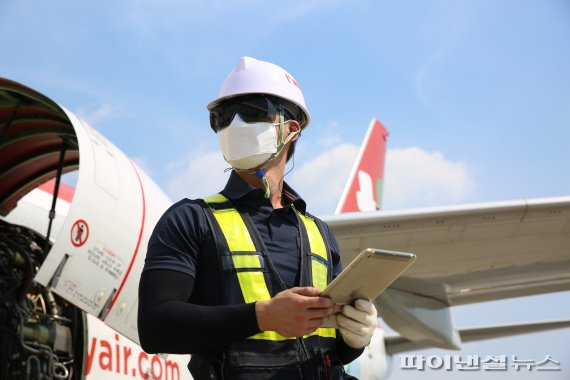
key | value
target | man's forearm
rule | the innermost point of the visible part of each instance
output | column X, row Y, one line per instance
column 167, row 324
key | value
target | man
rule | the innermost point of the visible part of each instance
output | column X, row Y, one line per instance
column 235, row 279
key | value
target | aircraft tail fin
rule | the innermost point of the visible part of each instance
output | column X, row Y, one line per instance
column 363, row 191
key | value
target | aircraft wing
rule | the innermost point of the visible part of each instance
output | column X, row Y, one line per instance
column 396, row 344
column 471, row 253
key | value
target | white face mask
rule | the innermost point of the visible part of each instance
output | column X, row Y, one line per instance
column 247, row 145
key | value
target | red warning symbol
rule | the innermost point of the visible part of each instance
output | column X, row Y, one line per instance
column 79, row 233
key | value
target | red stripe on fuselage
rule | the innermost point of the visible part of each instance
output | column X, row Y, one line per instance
column 138, row 240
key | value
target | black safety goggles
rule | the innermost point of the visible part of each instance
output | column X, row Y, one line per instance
column 251, row 109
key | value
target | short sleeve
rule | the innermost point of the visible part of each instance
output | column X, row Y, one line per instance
column 176, row 239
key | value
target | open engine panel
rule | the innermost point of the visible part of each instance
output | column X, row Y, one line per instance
column 41, row 334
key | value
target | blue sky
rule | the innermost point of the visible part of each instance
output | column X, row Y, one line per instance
column 475, row 94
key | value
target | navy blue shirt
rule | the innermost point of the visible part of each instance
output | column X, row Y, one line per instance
column 182, row 240
column 181, row 303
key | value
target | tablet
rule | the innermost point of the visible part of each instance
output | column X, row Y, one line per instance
column 372, row 271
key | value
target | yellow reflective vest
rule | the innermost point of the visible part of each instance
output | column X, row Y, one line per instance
column 243, row 256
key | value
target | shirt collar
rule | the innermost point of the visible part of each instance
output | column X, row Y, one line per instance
column 237, row 189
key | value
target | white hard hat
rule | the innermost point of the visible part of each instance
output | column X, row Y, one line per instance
column 252, row 76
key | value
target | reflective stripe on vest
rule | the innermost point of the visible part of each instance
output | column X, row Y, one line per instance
column 319, row 268
column 252, row 282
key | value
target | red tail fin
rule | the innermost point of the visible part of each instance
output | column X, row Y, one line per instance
column 363, row 191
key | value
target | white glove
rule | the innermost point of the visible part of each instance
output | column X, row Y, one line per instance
column 357, row 324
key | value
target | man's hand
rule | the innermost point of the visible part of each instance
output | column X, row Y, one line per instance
column 357, row 324
column 294, row 312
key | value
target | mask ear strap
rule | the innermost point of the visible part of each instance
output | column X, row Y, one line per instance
column 290, row 137
column 281, row 132
column 281, row 128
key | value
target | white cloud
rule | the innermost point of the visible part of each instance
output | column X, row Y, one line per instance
column 413, row 178
column 416, row 178
column 320, row 181
column 329, row 134
column 198, row 175
column 202, row 173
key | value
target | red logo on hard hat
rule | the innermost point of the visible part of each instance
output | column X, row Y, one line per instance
column 290, row 79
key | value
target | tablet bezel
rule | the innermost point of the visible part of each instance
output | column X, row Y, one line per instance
column 343, row 293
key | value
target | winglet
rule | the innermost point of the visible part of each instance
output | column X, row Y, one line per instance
column 363, row 191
